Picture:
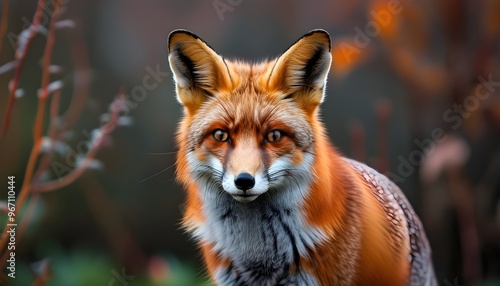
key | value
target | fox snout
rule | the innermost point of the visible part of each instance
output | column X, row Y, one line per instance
column 244, row 181
column 243, row 170
column 244, row 185
column 245, row 192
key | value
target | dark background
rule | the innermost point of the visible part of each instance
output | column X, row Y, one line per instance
column 401, row 71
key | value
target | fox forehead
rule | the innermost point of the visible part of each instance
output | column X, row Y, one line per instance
column 249, row 107
column 248, row 80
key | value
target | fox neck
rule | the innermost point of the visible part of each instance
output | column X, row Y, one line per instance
column 272, row 233
column 264, row 239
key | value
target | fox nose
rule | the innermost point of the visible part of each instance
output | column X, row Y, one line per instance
column 244, row 181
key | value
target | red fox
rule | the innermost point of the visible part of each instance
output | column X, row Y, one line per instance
column 269, row 199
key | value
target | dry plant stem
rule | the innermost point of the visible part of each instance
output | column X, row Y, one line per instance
column 54, row 107
column 43, row 274
column 24, row 190
column 53, row 135
column 42, row 102
column 357, row 132
column 59, row 124
column 42, row 166
column 3, row 24
column 43, row 277
column 383, row 113
column 38, row 128
column 78, row 171
column 463, row 201
column 30, row 210
column 79, row 55
column 69, row 178
column 21, row 58
column 3, row 279
column 107, row 216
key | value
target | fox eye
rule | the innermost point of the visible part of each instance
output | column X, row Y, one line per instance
column 274, row 136
column 220, row 135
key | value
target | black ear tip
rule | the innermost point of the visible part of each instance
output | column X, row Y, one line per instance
column 179, row 32
column 322, row 33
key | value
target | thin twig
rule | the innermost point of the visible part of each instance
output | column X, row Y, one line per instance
column 54, row 106
column 107, row 215
column 53, row 135
column 87, row 161
column 357, row 132
column 79, row 55
column 42, row 102
column 463, row 202
column 69, row 178
column 30, row 210
column 383, row 113
column 3, row 24
column 60, row 124
column 44, row 163
column 21, row 58
column 37, row 131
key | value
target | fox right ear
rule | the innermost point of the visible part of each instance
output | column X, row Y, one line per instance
column 301, row 72
column 198, row 71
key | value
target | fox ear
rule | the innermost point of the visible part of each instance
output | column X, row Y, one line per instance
column 301, row 72
column 198, row 70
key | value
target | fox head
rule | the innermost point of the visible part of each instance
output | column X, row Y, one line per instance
column 248, row 129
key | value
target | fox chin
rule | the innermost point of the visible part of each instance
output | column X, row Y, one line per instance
column 269, row 200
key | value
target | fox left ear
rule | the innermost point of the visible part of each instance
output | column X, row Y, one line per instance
column 301, row 72
column 199, row 72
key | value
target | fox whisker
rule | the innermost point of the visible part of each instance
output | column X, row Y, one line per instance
column 154, row 175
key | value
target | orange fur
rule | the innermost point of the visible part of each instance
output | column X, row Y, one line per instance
column 363, row 240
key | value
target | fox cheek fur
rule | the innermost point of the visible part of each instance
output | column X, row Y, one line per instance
column 268, row 198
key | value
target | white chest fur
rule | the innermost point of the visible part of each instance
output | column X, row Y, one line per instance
column 262, row 239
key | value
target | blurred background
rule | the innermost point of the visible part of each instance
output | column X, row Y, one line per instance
column 85, row 88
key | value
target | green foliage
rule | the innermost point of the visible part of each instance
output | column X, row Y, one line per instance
column 82, row 267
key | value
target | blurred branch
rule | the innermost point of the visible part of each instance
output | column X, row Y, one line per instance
column 463, row 201
column 79, row 56
column 107, row 216
column 42, row 151
column 60, row 124
column 20, row 58
column 39, row 120
column 30, row 210
column 88, row 160
column 357, row 132
column 3, row 23
column 42, row 273
column 383, row 113
column 40, row 116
